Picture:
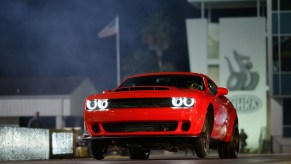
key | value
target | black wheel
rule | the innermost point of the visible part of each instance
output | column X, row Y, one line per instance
column 230, row 149
column 139, row 153
column 201, row 145
column 98, row 149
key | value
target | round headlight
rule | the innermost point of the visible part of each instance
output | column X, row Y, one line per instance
column 103, row 103
column 91, row 104
column 177, row 101
column 188, row 102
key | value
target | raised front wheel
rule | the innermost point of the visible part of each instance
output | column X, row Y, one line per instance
column 201, row 145
column 98, row 149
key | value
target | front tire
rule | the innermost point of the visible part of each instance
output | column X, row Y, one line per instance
column 230, row 149
column 98, row 150
column 201, row 145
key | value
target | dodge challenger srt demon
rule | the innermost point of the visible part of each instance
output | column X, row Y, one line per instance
column 170, row 110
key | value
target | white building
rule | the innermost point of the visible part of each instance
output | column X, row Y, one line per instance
column 55, row 97
column 245, row 46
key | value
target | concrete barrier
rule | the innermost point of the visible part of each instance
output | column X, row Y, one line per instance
column 35, row 144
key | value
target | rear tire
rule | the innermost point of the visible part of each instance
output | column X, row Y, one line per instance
column 98, row 150
column 230, row 149
column 201, row 145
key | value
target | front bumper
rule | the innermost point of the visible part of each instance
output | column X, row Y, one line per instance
column 146, row 122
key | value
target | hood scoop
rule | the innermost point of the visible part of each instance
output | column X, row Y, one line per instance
column 142, row 88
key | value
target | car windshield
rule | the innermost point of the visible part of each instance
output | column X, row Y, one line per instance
column 179, row 81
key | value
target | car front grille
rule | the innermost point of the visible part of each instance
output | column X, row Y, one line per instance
column 140, row 127
column 140, row 103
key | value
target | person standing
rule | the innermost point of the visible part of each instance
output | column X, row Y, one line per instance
column 35, row 122
column 243, row 140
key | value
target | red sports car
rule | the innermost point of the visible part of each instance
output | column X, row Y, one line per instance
column 172, row 111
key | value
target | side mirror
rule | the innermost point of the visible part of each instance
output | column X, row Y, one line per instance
column 106, row 91
column 222, row 91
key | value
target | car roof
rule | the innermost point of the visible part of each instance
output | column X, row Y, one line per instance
column 167, row 73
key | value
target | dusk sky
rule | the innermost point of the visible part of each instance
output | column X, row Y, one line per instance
column 60, row 38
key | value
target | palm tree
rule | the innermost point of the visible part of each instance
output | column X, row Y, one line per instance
column 156, row 33
column 146, row 63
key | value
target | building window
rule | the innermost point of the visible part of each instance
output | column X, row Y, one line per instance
column 213, row 41
column 213, row 73
column 281, row 37
column 286, row 118
column 283, row 4
column 276, row 64
column 285, row 44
